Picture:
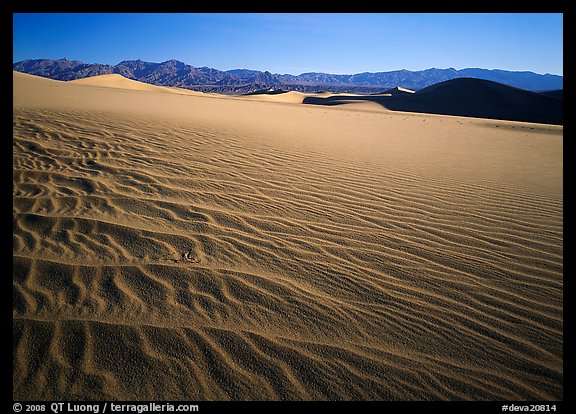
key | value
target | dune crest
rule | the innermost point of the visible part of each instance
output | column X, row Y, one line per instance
column 115, row 80
column 291, row 97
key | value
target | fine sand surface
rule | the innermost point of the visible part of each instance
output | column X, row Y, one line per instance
column 189, row 247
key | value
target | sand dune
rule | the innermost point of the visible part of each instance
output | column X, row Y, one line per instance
column 115, row 80
column 31, row 81
column 558, row 93
column 468, row 97
column 397, row 91
column 172, row 246
column 282, row 96
column 294, row 97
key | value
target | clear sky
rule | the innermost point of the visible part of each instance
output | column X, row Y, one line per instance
column 297, row 43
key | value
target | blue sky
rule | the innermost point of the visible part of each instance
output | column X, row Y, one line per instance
column 300, row 42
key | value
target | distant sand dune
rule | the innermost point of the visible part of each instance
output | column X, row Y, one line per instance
column 283, row 97
column 558, row 93
column 465, row 97
column 398, row 91
column 115, row 80
column 188, row 247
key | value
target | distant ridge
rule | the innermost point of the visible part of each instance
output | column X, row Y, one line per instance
column 179, row 74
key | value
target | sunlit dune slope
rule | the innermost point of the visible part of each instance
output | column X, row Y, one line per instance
column 115, row 80
column 282, row 97
column 194, row 247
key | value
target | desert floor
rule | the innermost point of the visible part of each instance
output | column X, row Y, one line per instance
column 180, row 245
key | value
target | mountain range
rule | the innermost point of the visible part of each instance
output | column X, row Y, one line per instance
column 180, row 74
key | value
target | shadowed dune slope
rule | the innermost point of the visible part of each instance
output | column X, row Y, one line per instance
column 468, row 97
column 176, row 247
column 557, row 93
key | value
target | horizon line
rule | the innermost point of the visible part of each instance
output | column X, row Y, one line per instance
column 277, row 73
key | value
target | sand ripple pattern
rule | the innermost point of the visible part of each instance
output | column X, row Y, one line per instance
column 162, row 262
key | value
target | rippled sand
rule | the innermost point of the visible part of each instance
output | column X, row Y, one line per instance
column 198, row 247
